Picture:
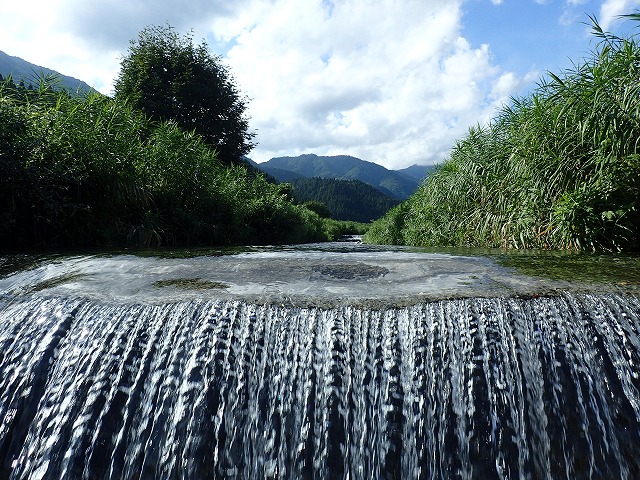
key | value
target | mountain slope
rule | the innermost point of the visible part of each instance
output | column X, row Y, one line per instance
column 343, row 167
column 417, row 172
column 345, row 199
column 29, row 73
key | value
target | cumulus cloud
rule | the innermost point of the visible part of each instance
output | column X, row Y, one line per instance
column 39, row 39
column 505, row 85
column 389, row 81
column 611, row 9
column 387, row 84
column 89, row 38
column 111, row 23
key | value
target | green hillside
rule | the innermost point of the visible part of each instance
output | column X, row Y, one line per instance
column 29, row 74
column 345, row 199
column 343, row 167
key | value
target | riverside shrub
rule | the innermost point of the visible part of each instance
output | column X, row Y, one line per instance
column 559, row 168
column 92, row 171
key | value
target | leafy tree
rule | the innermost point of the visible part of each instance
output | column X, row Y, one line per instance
column 170, row 78
column 318, row 207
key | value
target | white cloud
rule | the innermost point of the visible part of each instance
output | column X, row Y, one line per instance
column 87, row 39
column 573, row 13
column 389, row 81
column 611, row 9
column 505, row 85
column 38, row 39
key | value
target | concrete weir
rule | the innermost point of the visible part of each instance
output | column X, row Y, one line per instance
column 317, row 362
column 302, row 277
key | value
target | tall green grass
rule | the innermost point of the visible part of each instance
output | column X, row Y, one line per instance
column 559, row 168
column 92, row 171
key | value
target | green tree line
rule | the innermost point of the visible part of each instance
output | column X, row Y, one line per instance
column 345, row 199
column 90, row 170
column 559, row 168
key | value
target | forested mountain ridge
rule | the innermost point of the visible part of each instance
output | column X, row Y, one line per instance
column 343, row 167
column 418, row 172
column 30, row 73
column 346, row 199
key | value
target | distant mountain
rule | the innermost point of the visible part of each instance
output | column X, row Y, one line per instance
column 345, row 199
column 29, row 73
column 342, row 167
column 417, row 172
column 282, row 175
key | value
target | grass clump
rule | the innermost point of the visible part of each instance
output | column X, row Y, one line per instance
column 336, row 229
column 557, row 169
column 86, row 171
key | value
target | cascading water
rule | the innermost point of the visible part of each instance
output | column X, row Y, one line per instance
column 484, row 387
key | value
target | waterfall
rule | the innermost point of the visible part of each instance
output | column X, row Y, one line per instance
column 485, row 388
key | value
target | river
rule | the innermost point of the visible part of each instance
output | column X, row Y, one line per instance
column 319, row 361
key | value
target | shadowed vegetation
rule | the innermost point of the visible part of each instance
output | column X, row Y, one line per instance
column 169, row 78
column 93, row 171
column 559, row 168
column 344, row 199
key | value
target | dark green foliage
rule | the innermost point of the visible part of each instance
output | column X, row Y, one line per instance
column 336, row 229
column 92, row 171
column 558, row 169
column 388, row 230
column 345, row 199
column 169, row 78
column 318, row 207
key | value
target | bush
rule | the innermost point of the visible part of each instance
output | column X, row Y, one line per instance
column 92, row 171
column 557, row 169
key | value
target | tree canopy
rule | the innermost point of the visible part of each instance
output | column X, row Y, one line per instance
column 169, row 78
column 343, row 199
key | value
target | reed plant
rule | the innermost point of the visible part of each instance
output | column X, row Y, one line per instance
column 559, row 168
column 92, row 171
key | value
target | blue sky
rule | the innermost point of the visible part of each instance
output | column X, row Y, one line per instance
column 395, row 82
column 523, row 35
column 539, row 35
